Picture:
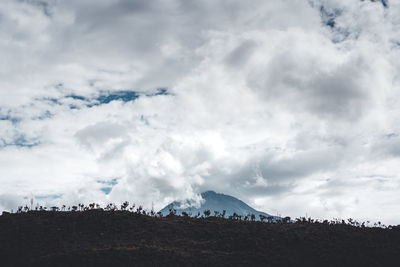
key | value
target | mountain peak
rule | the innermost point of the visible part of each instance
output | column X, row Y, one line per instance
column 208, row 193
column 214, row 202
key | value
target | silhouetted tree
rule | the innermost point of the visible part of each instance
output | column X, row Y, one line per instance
column 172, row 211
column 132, row 208
column 235, row 216
column 54, row 208
column 139, row 210
column 206, row 213
column 223, row 214
column 124, row 205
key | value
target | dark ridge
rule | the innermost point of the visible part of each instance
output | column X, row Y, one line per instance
column 121, row 238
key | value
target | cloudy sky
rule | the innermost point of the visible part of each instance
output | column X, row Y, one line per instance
column 290, row 105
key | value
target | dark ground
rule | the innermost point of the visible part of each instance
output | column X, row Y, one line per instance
column 98, row 238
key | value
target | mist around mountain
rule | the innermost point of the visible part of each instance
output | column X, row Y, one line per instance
column 218, row 202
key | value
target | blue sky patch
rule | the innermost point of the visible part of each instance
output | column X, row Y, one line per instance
column 328, row 17
column 19, row 141
column 160, row 91
column 385, row 3
column 77, row 97
column 8, row 117
column 125, row 96
column 106, row 190
column 104, row 98
column 46, row 115
column 109, row 184
column 51, row 196
column 52, row 100
column 108, row 97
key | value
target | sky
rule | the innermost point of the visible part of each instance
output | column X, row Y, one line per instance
column 292, row 106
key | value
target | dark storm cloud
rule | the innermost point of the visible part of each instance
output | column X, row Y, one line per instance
column 45, row 6
column 338, row 94
column 241, row 54
column 388, row 146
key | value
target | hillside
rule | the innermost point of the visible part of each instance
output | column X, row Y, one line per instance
column 122, row 238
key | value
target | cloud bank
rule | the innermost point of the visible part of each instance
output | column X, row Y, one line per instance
column 292, row 106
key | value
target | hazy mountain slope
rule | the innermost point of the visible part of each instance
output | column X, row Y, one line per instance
column 215, row 202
